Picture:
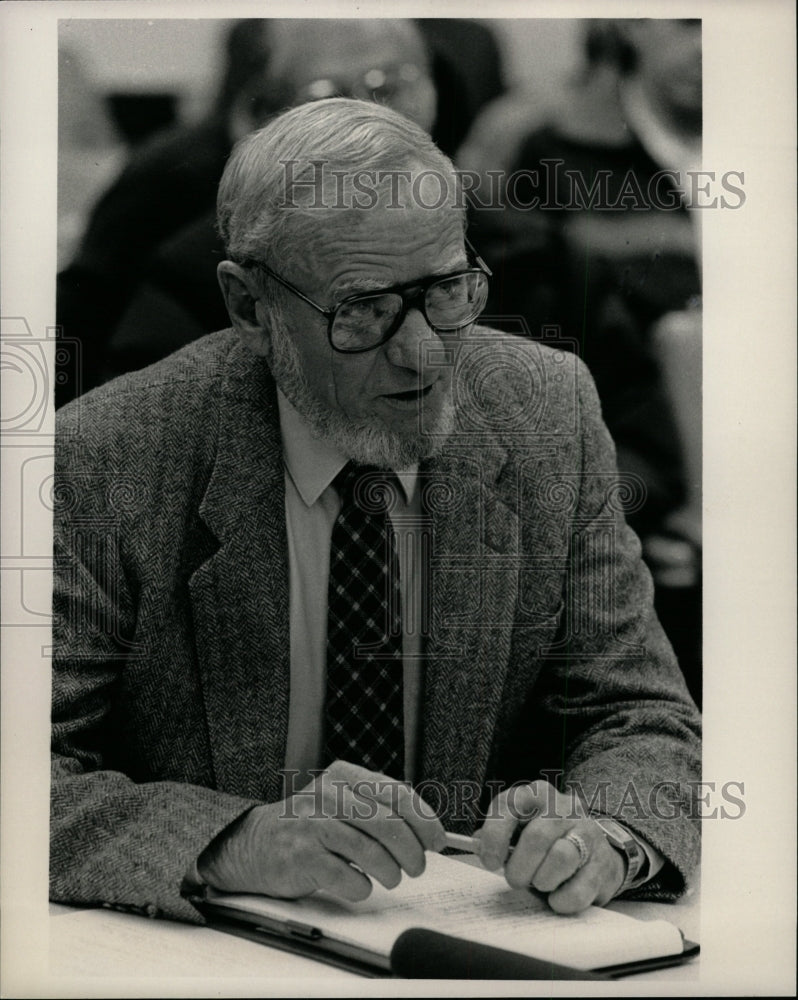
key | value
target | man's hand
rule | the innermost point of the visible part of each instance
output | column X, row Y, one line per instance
column 573, row 874
column 347, row 826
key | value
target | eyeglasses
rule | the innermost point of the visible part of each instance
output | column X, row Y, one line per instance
column 367, row 320
column 378, row 84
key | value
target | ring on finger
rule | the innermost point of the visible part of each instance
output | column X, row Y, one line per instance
column 581, row 847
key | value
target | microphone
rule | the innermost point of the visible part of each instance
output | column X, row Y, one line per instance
column 424, row 954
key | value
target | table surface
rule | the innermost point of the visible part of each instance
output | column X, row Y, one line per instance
column 106, row 943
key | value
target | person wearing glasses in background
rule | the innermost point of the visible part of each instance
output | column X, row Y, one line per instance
column 355, row 573
column 142, row 281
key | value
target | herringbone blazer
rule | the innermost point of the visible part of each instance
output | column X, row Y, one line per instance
column 171, row 643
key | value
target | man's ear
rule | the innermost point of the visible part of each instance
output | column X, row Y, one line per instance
column 241, row 298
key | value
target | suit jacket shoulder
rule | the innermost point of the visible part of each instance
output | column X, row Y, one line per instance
column 522, row 389
column 188, row 377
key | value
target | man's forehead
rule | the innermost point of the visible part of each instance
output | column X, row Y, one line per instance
column 354, row 251
column 393, row 226
column 317, row 185
column 350, row 284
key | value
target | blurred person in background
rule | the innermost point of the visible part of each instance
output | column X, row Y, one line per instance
column 618, row 276
column 142, row 267
column 468, row 70
column 168, row 181
column 89, row 148
column 178, row 298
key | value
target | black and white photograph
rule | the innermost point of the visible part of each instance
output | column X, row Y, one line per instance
column 397, row 554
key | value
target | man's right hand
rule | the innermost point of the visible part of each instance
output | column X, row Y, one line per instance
column 347, row 826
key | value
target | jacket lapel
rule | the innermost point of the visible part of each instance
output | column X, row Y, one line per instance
column 473, row 599
column 240, row 594
column 240, row 598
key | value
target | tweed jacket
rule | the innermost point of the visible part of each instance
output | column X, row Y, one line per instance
column 171, row 641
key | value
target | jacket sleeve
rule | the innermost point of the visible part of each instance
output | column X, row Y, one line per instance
column 613, row 696
column 113, row 841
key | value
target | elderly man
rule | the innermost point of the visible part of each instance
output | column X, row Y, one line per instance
column 355, row 572
column 166, row 193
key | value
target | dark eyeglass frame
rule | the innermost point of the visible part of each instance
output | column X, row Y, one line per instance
column 413, row 294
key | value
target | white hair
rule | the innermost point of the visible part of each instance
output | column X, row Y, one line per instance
column 265, row 196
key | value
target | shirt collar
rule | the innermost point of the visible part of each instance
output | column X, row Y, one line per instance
column 313, row 463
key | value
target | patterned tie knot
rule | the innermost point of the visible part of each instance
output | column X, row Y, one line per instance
column 372, row 490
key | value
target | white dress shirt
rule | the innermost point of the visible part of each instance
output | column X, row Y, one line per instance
column 311, row 508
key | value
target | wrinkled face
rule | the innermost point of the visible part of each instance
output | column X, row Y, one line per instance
column 398, row 392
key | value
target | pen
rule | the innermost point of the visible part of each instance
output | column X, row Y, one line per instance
column 459, row 841
column 467, row 845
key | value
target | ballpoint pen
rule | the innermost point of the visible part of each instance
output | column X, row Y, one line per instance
column 467, row 845
column 460, row 842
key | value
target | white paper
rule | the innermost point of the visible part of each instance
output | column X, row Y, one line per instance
column 478, row 905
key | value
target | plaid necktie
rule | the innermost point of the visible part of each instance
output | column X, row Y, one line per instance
column 364, row 706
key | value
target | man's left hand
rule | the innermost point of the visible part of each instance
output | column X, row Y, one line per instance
column 560, row 851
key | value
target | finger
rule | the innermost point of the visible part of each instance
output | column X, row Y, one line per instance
column 510, row 810
column 565, row 857
column 579, row 892
column 348, row 772
column 537, row 839
column 374, row 819
column 598, row 881
column 418, row 814
column 368, row 854
column 400, row 798
column 337, row 876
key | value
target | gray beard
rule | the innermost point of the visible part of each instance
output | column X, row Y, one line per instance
column 359, row 441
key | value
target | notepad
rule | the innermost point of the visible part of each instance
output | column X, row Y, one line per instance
column 456, row 899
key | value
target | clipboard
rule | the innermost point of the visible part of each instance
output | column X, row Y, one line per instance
column 450, row 958
column 338, row 954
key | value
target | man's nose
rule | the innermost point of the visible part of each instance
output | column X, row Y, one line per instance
column 410, row 344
